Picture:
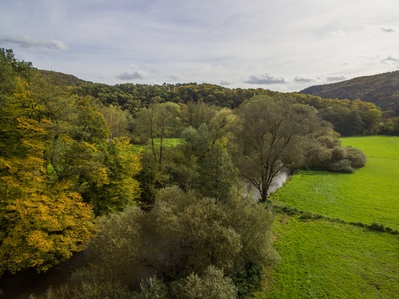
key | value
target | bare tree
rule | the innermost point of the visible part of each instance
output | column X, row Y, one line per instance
column 272, row 133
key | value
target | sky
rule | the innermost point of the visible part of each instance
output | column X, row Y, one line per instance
column 281, row 45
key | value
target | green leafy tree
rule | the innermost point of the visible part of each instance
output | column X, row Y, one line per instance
column 211, row 285
column 156, row 123
column 120, row 188
column 118, row 120
column 217, row 176
column 197, row 242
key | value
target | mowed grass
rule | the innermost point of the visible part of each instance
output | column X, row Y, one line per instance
column 370, row 195
column 326, row 259
column 322, row 259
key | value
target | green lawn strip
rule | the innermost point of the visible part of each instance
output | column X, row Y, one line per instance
column 370, row 195
column 321, row 259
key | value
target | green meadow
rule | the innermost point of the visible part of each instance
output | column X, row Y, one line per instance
column 370, row 195
column 321, row 258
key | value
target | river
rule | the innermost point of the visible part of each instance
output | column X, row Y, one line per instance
column 277, row 183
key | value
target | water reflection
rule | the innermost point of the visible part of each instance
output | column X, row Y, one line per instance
column 277, row 183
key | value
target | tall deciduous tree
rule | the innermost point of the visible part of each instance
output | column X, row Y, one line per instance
column 118, row 120
column 158, row 122
column 272, row 135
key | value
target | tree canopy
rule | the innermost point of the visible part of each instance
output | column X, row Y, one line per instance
column 55, row 160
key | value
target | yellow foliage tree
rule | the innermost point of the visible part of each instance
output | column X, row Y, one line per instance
column 42, row 221
column 121, row 188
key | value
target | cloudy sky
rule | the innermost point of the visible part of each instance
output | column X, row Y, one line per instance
column 283, row 45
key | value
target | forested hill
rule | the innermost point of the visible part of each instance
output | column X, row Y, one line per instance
column 62, row 79
column 348, row 117
column 381, row 89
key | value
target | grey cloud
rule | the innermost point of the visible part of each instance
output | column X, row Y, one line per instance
column 131, row 76
column 390, row 59
column 48, row 45
column 388, row 29
column 383, row 28
column 333, row 78
column 265, row 79
column 174, row 77
column 302, row 79
column 224, row 83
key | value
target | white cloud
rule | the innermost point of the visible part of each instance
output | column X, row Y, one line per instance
column 338, row 33
column 265, row 79
column 216, row 41
column 131, row 76
column 46, row 45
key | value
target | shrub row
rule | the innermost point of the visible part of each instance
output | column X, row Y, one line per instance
column 306, row 215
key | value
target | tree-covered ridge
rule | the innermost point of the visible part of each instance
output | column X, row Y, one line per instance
column 62, row 79
column 132, row 97
column 349, row 119
column 381, row 89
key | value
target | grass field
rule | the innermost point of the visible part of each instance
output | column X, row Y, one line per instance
column 369, row 195
column 323, row 259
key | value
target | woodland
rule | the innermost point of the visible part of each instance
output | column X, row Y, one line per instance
column 149, row 180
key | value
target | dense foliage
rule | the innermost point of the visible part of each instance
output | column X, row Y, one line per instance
column 57, row 168
column 195, row 247
column 363, row 117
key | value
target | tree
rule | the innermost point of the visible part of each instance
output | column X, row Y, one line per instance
column 272, row 135
column 212, row 285
column 119, row 121
column 196, row 242
column 43, row 169
column 217, row 175
column 198, row 113
column 120, row 188
column 42, row 221
column 159, row 121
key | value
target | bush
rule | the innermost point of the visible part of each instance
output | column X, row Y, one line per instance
column 115, row 249
column 306, row 215
column 211, row 285
column 343, row 166
column 356, row 156
column 336, row 159
column 338, row 153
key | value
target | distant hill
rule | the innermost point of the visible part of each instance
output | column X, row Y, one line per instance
column 62, row 79
column 381, row 89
